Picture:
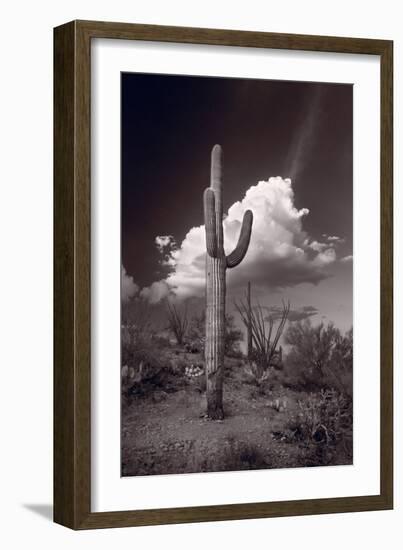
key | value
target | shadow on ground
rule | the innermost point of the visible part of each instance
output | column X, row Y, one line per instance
column 44, row 510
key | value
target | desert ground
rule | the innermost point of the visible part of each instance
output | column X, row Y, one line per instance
column 280, row 420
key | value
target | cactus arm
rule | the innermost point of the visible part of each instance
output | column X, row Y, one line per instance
column 210, row 222
column 241, row 248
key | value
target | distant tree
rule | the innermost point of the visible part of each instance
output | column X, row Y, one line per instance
column 320, row 354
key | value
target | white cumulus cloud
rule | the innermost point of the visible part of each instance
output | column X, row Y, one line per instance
column 129, row 287
column 335, row 238
column 346, row 259
column 281, row 254
column 156, row 292
column 164, row 241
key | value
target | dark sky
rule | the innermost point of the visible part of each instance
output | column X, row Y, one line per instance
column 266, row 128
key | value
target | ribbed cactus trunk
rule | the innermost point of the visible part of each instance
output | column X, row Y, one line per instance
column 215, row 334
column 216, row 265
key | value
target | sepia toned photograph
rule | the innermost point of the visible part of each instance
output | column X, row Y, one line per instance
column 236, row 275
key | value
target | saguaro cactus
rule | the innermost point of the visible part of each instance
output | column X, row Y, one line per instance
column 216, row 265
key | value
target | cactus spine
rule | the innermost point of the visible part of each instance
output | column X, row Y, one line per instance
column 216, row 264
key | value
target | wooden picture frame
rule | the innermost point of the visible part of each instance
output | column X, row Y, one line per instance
column 72, row 269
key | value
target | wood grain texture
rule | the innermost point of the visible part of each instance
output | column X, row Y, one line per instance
column 386, row 359
column 64, row 387
column 221, row 37
column 72, row 296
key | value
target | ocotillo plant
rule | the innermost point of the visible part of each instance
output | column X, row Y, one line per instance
column 216, row 264
column 249, row 349
column 177, row 321
column 265, row 335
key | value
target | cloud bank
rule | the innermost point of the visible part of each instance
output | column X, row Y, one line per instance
column 300, row 314
column 129, row 287
column 281, row 254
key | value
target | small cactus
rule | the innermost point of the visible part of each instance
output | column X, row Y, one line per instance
column 216, row 264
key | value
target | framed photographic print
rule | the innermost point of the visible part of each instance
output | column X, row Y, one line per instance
column 222, row 275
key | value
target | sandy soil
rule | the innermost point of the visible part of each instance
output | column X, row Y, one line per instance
column 164, row 429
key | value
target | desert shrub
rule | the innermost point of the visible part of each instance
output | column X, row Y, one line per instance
column 136, row 322
column 145, row 362
column 249, row 456
column 197, row 332
column 319, row 356
column 148, row 370
column 154, row 352
column 160, row 342
column 267, row 378
column 255, row 374
column 241, row 455
column 326, row 416
column 230, row 454
column 233, row 338
column 322, row 420
column 174, row 362
column 197, row 381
